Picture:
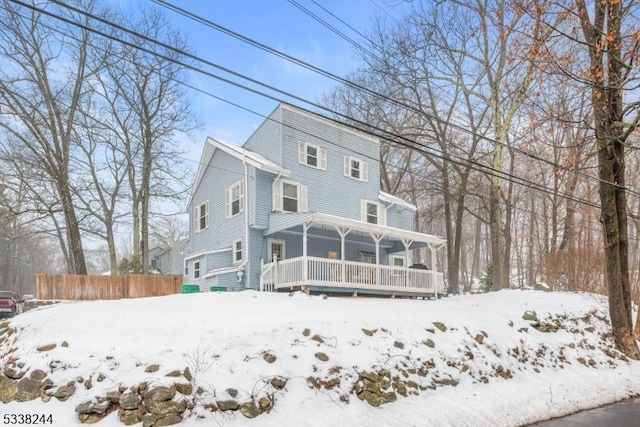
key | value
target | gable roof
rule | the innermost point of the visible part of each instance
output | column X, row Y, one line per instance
column 240, row 153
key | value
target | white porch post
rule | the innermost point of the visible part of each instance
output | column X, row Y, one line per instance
column 433, row 269
column 343, row 234
column 305, row 265
column 406, row 243
column 261, row 275
column 377, row 238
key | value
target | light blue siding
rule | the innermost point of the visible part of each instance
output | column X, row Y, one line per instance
column 266, row 139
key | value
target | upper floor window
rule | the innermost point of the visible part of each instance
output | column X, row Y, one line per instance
column 237, row 251
column 289, row 196
column 201, row 216
column 373, row 212
column 234, row 199
column 356, row 168
column 312, row 155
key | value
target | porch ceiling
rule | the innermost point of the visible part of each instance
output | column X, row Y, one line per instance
column 281, row 222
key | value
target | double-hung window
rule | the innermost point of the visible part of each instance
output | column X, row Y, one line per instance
column 312, row 155
column 234, row 199
column 201, row 216
column 196, row 270
column 356, row 169
column 373, row 212
column 237, row 251
column 289, row 196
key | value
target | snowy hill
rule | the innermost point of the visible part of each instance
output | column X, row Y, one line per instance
column 263, row 359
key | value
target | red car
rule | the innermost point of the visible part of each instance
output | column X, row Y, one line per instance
column 10, row 303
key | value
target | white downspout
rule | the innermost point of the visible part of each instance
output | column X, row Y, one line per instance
column 245, row 262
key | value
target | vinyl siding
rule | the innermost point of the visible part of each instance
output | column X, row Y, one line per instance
column 329, row 191
column 266, row 139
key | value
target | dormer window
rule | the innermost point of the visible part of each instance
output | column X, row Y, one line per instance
column 312, row 155
column 356, row 169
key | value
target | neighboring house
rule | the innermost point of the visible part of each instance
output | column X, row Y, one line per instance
column 168, row 260
column 299, row 206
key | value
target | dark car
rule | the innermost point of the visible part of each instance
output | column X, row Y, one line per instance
column 10, row 303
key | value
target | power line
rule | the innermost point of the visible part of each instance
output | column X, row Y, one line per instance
column 357, row 86
column 406, row 142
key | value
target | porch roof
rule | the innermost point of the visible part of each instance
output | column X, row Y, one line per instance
column 281, row 222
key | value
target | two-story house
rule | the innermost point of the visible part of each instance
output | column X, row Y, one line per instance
column 299, row 206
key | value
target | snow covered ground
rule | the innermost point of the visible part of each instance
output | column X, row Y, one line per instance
column 461, row 361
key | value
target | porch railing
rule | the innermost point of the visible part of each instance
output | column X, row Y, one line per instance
column 348, row 274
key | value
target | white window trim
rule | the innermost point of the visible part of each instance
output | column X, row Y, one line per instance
column 392, row 258
column 198, row 217
column 381, row 214
column 364, row 168
column 278, row 195
column 234, row 251
column 303, row 155
column 277, row 241
column 229, row 199
column 196, row 270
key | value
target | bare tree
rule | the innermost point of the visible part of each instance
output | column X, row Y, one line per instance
column 149, row 112
column 42, row 81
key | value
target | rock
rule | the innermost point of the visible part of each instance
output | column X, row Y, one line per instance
column 332, row 383
column 545, row 327
column 154, row 368
column 153, row 420
column 429, row 343
column 401, row 388
column 317, row 338
column 227, row 405
column 232, row 392
column 278, row 383
column 174, row 373
column 306, row 332
column 64, row 392
column 159, row 394
column 249, row 410
column 64, row 344
column 45, row 397
column 88, row 383
column 28, row 389
column 479, row 338
column 184, row 388
column 375, row 399
column 530, row 316
column 322, row 357
column 8, row 389
column 46, row 384
column 46, row 347
column 13, row 373
column 101, row 377
column 38, row 375
column 113, row 396
column 92, row 412
column 398, row 344
column 264, row 404
column 165, row 407
column 367, row 332
column 187, row 374
column 129, row 401
column 440, row 326
column 131, row 416
column 269, row 358
column 371, row 376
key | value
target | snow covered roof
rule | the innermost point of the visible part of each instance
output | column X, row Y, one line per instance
column 390, row 198
column 242, row 154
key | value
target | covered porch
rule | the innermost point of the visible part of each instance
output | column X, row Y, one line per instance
column 339, row 271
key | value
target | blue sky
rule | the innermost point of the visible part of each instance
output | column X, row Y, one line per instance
column 281, row 25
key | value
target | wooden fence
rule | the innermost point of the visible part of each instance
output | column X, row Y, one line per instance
column 79, row 287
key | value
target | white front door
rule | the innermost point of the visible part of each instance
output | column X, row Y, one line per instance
column 276, row 250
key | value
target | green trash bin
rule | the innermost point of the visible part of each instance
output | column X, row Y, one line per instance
column 218, row 289
column 190, row 289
